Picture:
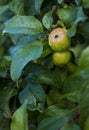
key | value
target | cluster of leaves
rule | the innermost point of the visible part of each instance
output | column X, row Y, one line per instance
column 35, row 94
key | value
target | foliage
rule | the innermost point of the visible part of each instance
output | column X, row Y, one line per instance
column 34, row 93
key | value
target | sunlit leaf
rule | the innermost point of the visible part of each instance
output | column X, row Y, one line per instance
column 19, row 119
column 23, row 25
column 26, row 54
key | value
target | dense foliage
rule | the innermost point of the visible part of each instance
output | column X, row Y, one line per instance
column 35, row 94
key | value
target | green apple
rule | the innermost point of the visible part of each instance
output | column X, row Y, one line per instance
column 61, row 58
column 59, row 39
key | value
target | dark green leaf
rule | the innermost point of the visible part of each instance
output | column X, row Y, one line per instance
column 23, row 25
column 84, row 105
column 5, row 95
column 26, row 54
column 86, row 127
column 44, row 75
column 34, row 6
column 4, row 123
column 35, row 96
column 84, row 29
column 70, row 127
column 55, row 119
column 82, row 71
column 72, row 96
column 85, row 3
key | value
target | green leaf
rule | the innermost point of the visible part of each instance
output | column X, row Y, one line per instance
column 67, row 15
column 86, row 127
column 76, row 81
column 83, row 65
column 3, row 9
column 47, row 20
column 84, row 59
column 71, row 15
column 5, row 95
column 23, row 25
column 19, row 119
column 24, row 55
column 72, row 83
column 85, row 3
column 35, row 96
column 43, row 75
column 33, row 7
column 80, row 15
column 78, row 2
column 72, row 96
column 72, row 31
column 84, row 29
column 55, row 118
column 70, row 127
column 60, row 1
column 84, row 106
column 17, row 6
column 38, row 4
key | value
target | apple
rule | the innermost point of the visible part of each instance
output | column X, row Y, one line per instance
column 59, row 39
column 61, row 58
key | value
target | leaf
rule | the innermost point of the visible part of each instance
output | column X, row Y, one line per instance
column 35, row 96
column 84, row 106
column 5, row 95
column 85, row 3
column 47, row 20
column 22, row 42
column 84, row 29
column 71, row 15
column 33, row 7
column 72, row 96
column 17, row 6
column 72, row 31
column 78, row 2
column 67, row 15
column 70, row 127
column 80, row 16
column 55, row 118
column 23, row 25
column 72, row 83
column 24, row 55
column 84, row 59
column 60, row 1
column 3, row 9
column 19, row 119
column 43, row 75
column 86, row 127
column 38, row 4
column 82, row 71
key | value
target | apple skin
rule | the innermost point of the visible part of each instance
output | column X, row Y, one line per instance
column 61, row 58
column 59, row 39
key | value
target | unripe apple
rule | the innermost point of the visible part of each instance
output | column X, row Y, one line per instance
column 61, row 58
column 59, row 39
